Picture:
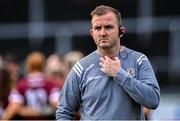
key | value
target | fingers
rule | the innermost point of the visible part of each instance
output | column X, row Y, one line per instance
column 116, row 59
column 101, row 64
column 102, row 59
column 102, row 70
column 106, row 59
column 110, row 66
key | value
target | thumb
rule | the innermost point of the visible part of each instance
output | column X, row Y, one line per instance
column 116, row 58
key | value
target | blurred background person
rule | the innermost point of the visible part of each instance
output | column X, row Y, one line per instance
column 55, row 69
column 12, row 65
column 34, row 97
column 72, row 57
column 5, row 87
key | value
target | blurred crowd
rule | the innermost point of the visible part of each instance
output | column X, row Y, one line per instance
column 34, row 93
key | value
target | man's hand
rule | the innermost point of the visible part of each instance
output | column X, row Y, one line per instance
column 110, row 66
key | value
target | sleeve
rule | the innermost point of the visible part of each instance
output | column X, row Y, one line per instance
column 144, row 90
column 15, row 97
column 16, row 94
column 69, row 99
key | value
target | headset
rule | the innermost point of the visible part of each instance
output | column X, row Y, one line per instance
column 118, row 15
column 120, row 32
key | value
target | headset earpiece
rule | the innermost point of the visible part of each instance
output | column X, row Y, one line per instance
column 121, row 31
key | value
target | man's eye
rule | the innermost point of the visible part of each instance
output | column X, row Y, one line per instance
column 97, row 28
column 108, row 27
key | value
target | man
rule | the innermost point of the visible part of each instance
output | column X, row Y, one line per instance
column 111, row 83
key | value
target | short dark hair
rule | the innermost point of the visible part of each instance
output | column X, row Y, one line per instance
column 102, row 10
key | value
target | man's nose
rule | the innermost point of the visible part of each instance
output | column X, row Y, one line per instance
column 103, row 32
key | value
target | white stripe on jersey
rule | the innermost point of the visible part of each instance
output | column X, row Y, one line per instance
column 141, row 58
column 78, row 69
column 79, row 65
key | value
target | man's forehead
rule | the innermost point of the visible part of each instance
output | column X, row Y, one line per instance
column 104, row 19
column 107, row 16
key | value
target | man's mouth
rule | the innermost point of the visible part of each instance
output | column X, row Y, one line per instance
column 103, row 39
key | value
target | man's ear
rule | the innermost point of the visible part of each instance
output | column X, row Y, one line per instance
column 91, row 32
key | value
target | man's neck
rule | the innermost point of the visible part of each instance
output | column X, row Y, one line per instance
column 113, row 52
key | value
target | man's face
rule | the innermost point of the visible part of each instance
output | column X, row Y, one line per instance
column 105, row 31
